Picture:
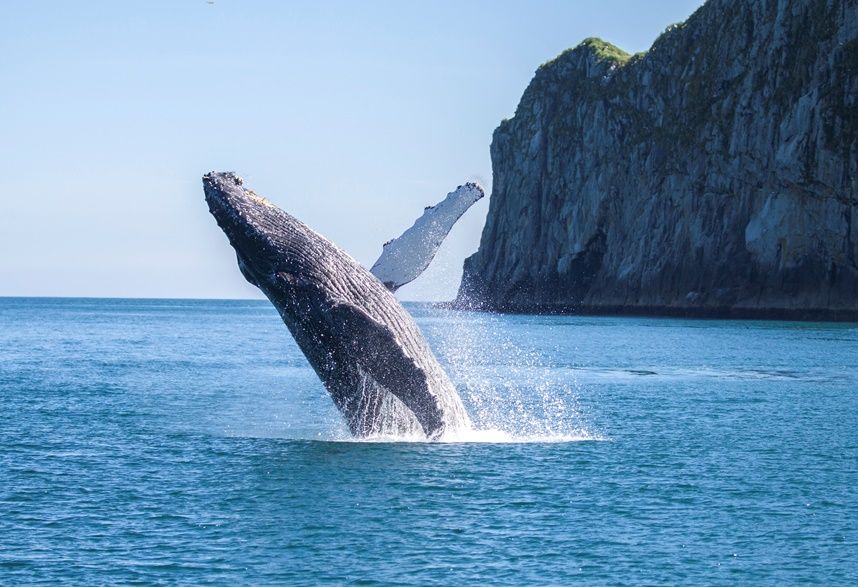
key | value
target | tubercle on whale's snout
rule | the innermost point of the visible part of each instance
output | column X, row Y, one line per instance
column 221, row 188
column 225, row 192
column 230, row 203
column 213, row 177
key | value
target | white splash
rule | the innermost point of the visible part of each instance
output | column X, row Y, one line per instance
column 512, row 393
column 474, row 436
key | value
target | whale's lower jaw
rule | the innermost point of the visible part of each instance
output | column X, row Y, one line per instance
column 362, row 343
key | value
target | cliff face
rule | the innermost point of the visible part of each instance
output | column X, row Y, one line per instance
column 717, row 174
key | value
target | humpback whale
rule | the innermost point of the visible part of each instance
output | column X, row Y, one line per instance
column 365, row 347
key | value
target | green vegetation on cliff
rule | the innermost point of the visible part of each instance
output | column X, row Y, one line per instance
column 603, row 50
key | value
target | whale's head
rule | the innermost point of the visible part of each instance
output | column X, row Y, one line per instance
column 259, row 232
column 295, row 267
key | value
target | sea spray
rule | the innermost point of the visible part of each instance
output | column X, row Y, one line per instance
column 512, row 393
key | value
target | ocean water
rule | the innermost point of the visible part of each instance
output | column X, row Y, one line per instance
column 188, row 442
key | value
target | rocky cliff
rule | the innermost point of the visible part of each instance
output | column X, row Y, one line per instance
column 716, row 174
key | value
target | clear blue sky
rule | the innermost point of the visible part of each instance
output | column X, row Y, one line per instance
column 352, row 116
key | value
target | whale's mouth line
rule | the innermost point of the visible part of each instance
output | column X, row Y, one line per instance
column 237, row 223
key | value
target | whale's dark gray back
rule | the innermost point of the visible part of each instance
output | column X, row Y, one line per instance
column 363, row 344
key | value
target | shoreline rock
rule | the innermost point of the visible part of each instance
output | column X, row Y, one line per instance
column 715, row 175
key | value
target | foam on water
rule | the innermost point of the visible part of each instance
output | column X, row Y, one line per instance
column 494, row 436
column 473, row 436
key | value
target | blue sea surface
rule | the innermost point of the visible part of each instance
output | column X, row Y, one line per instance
column 188, row 442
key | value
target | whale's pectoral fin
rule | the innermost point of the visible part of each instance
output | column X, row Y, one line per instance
column 403, row 259
column 378, row 352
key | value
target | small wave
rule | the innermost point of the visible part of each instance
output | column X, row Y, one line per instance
column 585, row 375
